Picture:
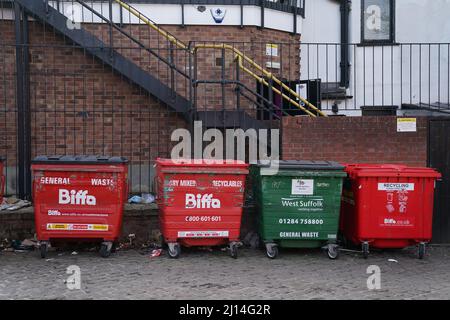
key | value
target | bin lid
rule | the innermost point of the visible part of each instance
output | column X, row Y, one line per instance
column 304, row 165
column 201, row 162
column 79, row 159
column 390, row 170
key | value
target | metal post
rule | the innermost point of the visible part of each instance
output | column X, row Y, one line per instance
column 345, row 34
column 111, row 43
column 182, row 15
column 194, row 83
column 172, row 68
column 121, row 16
column 191, row 106
column 270, row 98
column 23, row 104
column 238, row 86
column 295, row 28
column 194, row 87
column 263, row 5
column 242, row 14
column 223, row 86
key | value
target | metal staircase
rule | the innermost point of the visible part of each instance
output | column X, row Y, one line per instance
column 151, row 83
column 119, row 63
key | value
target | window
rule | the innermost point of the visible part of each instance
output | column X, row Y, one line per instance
column 378, row 22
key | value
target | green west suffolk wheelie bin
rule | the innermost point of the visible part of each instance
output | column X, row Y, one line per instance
column 298, row 205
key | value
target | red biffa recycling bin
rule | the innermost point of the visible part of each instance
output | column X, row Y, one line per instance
column 200, row 204
column 79, row 198
column 388, row 206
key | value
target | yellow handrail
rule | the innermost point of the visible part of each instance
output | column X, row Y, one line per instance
column 239, row 55
column 263, row 81
column 164, row 33
column 267, row 74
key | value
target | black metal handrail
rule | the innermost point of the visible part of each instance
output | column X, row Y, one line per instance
column 130, row 37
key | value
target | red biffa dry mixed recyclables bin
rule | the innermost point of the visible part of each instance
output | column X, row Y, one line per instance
column 200, row 204
column 79, row 197
column 388, row 206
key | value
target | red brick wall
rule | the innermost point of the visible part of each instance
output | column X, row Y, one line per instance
column 8, row 114
column 79, row 106
column 249, row 40
column 354, row 139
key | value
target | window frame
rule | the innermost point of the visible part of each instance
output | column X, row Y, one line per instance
column 391, row 40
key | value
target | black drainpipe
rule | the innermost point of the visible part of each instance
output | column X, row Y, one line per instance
column 345, row 43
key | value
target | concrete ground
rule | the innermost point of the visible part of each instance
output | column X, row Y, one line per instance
column 201, row 274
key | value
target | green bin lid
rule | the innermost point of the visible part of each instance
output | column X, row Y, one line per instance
column 304, row 165
column 80, row 159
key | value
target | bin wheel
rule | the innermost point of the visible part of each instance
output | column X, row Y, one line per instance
column 422, row 250
column 365, row 250
column 43, row 248
column 114, row 247
column 272, row 251
column 333, row 251
column 105, row 249
column 233, row 251
column 174, row 250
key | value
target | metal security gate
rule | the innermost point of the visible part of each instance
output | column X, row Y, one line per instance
column 439, row 158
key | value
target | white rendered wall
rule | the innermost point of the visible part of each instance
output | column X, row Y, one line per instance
column 390, row 75
column 171, row 14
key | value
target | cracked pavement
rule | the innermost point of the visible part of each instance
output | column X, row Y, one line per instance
column 202, row 274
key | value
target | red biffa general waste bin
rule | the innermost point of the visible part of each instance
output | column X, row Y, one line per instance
column 200, row 204
column 79, row 198
column 388, row 206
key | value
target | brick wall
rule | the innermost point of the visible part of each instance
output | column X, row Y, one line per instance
column 79, row 106
column 354, row 139
column 249, row 40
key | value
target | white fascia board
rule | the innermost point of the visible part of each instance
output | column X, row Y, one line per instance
column 171, row 14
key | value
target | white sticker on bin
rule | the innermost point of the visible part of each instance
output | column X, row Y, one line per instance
column 203, row 234
column 302, row 187
column 396, row 186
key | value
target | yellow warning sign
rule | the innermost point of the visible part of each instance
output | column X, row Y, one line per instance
column 57, row 227
column 100, row 227
column 77, row 227
column 271, row 50
column 406, row 125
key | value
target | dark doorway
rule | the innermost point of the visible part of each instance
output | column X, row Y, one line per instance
column 439, row 158
column 281, row 106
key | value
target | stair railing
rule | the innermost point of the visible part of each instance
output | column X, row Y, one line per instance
column 130, row 37
column 313, row 111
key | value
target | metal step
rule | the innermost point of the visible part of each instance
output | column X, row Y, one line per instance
column 230, row 119
column 100, row 50
column 434, row 107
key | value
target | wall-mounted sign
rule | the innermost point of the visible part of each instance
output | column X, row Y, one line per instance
column 272, row 50
column 273, row 65
column 218, row 14
column 378, row 18
column 406, row 125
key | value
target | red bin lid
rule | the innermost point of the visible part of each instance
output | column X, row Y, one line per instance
column 390, row 170
column 201, row 162
column 78, row 159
